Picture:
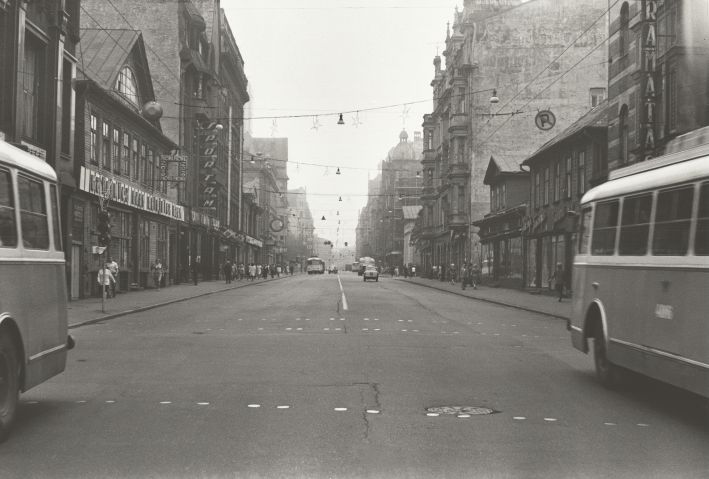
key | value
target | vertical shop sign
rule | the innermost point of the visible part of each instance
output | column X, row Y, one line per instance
column 648, row 85
column 208, row 148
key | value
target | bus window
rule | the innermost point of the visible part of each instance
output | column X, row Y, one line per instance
column 701, row 242
column 8, row 229
column 604, row 227
column 635, row 225
column 672, row 221
column 55, row 218
column 33, row 213
column 585, row 231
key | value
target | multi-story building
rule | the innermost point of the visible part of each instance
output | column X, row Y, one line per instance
column 508, row 66
column 299, row 241
column 500, row 231
column 658, row 74
column 38, row 51
column 368, row 221
column 561, row 171
column 117, row 161
column 199, row 81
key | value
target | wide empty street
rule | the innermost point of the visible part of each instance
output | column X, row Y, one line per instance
column 278, row 379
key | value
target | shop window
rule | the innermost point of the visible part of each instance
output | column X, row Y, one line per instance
column 701, row 241
column 8, row 227
column 635, row 225
column 33, row 213
column 672, row 221
column 604, row 228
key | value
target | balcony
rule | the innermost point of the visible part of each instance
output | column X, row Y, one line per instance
column 458, row 124
column 457, row 220
column 458, row 170
column 429, row 158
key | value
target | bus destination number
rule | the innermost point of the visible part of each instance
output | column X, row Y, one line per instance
column 663, row 311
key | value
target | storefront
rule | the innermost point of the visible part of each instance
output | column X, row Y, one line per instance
column 501, row 247
column 144, row 227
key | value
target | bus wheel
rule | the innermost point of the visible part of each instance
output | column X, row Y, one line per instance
column 9, row 384
column 606, row 372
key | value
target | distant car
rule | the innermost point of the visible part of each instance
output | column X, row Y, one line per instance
column 370, row 272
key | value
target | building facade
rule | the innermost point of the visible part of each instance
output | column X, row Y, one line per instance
column 658, row 76
column 561, row 171
column 117, row 162
column 486, row 100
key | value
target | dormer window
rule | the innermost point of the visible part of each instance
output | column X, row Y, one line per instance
column 125, row 85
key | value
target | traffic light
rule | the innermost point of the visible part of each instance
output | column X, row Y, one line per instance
column 104, row 228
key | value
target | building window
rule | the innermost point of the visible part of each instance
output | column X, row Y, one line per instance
column 672, row 222
column 503, row 195
column 116, row 152
column 493, row 197
column 581, row 174
column 126, row 86
column 93, row 139
column 537, row 190
column 672, row 99
column 147, row 168
column 624, row 32
column 568, row 172
column 547, row 186
column 623, row 134
column 33, row 88
column 198, row 89
column 125, row 156
column 597, row 96
column 106, row 145
column 557, row 181
column 67, row 103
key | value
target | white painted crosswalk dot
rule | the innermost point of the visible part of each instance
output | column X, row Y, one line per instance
column 254, row 405
column 373, row 411
column 283, row 407
column 340, row 409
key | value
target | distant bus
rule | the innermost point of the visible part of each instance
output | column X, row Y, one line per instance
column 641, row 272
column 33, row 313
column 315, row 265
column 355, row 266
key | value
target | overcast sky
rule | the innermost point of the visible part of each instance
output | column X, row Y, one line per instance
column 322, row 57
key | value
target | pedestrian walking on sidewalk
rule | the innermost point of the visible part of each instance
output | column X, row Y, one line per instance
column 558, row 278
column 113, row 267
column 451, row 273
column 464, row 275
column 474, row 275
column 157, row 270
column 227, row 271
column 105, row 280
column 196, row 263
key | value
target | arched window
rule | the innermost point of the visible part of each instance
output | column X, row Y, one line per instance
column 623, row 134
column 624, row 32
column 125, row 85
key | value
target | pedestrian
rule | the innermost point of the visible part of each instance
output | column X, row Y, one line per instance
column 474, row 275
column 252, row 271
column 451, row 273
column 264, row 271
column 242, row 271
column 113, row 267
column 279, row 270
column 105, row 279
column 156, row 268
column 558, row 277
column 196, row 263
column 464, row 275
column 259, row 270
column 413, row 271
column 228, row 267
column 406, row 271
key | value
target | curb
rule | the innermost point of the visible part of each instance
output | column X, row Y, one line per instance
column 164, row 303
column 492, row 301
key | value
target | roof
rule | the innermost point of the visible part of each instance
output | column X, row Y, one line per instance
column 18, row 158
column 411, row 212
column 103, row 52
column 594, row 118
column 503, row 164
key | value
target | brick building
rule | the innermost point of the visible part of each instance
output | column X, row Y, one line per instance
column 529, row 57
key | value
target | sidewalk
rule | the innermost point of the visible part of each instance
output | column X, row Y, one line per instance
column 535, row 303
column 88, row 311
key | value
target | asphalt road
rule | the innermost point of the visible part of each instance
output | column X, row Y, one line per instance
column 271, row 380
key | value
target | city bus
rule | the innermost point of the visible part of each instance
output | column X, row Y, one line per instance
column 33, row 313
column 641, row 272
column 315, row 265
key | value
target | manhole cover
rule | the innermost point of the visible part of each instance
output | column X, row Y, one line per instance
column 456, row 410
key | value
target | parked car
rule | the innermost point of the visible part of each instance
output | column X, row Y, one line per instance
column 370, row 272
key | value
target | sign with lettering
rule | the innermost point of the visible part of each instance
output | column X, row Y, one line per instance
column 208, row 139
column 96, row 183
column 647, row 82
